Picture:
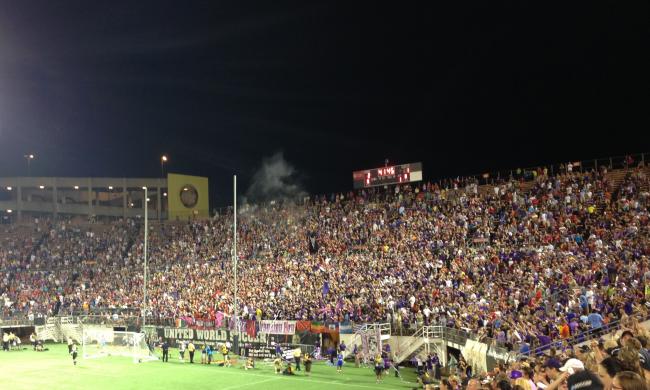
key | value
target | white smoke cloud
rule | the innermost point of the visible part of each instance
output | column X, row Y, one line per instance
column 275, row 179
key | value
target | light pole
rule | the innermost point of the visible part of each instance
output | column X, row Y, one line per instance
column 146, row 236
column 235, row 259
column 163, row 160
column 29, row 158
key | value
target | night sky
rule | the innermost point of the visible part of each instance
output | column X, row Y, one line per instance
column 105, row 88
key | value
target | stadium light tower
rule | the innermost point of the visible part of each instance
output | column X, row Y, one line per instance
column 163, row 160
column 29, row 157
column 235, row 259
column 146, row 236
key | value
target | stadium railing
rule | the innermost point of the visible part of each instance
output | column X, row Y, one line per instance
column 582, row 337
column 13, row 321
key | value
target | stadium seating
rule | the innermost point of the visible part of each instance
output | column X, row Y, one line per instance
column 513, row 262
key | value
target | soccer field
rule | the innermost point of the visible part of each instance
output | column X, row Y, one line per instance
column 53, row 369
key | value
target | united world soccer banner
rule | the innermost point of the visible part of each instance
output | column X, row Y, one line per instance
column 205, row 335
column 277, row 327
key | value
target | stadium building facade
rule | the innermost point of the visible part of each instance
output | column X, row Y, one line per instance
column 174, row 197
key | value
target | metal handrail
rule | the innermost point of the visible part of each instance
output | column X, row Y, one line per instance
column 580, row 337
column 16, row 322
column 401, row 347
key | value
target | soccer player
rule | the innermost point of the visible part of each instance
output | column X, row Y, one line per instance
column 191, row 348
column 32, row 339
column 204, row 354
column 165, row 351
column 226, row 355
column 73, row 353
column 209, row 351
column 277, row 363
column 288, row 370
column 70, row 343
column 387, row 365
column 339, row 362
column 13, row 344
column 5, row 342
column 181, row 351
column 307, row 364
column 250, row 364
column 379, row 366
column 296, row 357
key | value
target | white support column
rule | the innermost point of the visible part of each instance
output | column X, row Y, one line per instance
column 144, row 281
column 235, row 260
column 145, row 205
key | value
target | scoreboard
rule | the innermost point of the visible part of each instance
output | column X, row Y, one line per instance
column 393, row 174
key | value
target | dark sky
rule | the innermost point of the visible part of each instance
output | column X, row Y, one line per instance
column 104, row 88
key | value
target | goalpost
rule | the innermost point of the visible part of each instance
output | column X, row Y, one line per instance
column 102, row 342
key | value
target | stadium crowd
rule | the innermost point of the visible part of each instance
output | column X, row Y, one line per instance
column 619, row 361
column 520, row 266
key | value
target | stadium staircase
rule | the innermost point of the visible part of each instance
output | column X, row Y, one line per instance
column 373, row 334
column 434, row 338
column 425, row 340
column 72, row 328
column 49, row 331
column 60, row 328
column 615, row 178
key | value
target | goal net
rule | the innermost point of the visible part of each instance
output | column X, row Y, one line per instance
column 102, row 342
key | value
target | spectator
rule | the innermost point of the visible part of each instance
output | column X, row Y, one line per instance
column 628, row 380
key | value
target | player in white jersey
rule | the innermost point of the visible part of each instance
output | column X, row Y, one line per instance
column 181, row 351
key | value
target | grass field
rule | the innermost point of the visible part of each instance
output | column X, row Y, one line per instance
column 53, row 369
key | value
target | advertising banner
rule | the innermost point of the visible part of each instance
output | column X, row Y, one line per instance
column 211, row 336
column 258, row 351
column 278, row 327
